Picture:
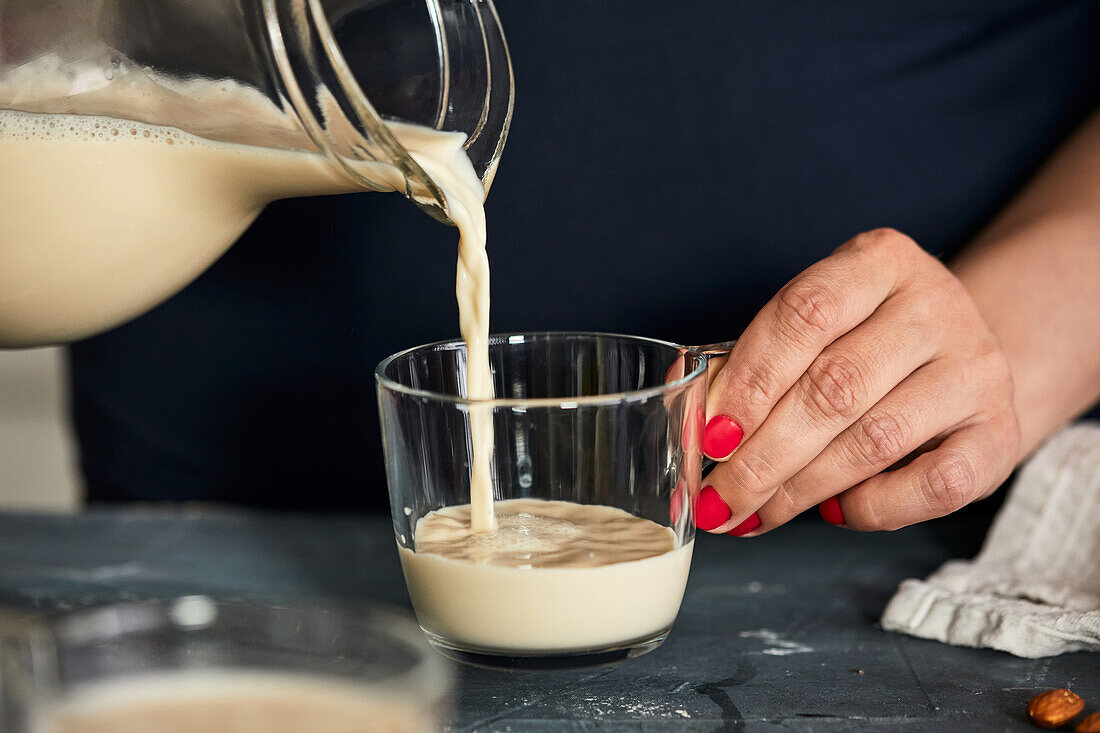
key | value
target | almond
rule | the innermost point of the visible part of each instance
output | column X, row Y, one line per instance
column 1054, row 708
column 1091, row 724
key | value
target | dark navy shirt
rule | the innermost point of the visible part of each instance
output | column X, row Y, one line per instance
column 670, row 166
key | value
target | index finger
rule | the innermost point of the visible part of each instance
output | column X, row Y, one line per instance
column 824, row 302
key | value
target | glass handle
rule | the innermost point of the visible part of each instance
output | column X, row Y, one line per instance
column 717, row 355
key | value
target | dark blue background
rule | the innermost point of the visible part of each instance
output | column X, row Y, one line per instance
column 670, row 166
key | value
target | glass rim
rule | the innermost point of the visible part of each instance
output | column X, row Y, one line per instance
column 100, row 623
column 561, row 402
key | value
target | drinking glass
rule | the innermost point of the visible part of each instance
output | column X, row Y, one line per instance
column 581, row 417
column 279, row 669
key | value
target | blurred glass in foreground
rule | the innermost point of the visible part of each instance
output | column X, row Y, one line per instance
column 192, row 664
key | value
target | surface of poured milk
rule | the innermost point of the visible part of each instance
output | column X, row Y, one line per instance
column 241, row 702
column 555, row 576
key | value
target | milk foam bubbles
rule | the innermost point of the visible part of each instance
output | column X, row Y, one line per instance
column 554, row 577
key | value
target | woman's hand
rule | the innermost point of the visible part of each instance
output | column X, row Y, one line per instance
column 870, row 356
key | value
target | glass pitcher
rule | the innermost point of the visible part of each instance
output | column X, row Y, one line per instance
column 139, row 139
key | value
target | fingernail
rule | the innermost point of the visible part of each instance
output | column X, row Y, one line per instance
column 676, row 502
column 721, row 437
column 830, row 511
column 750, row 524
column 710, row 511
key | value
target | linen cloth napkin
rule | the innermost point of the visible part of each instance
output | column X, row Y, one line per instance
column 1034, row 589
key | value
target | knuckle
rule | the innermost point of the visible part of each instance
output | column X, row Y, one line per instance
column 786, row 502
column 955, row 307
column 881, row 438
column 833, row 386
column 949, row 483
column 995, row 362
column 925, row 315
column 755, row 384
column 807, row 306
column 991, row 366
column 753, row 471
column 954, row 293
column 882, row 238
column 871, row 518
column 872, row 512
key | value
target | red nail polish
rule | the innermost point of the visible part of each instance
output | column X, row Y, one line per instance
column 830, row 511
column 721, row 437
column 710, row 511
column 749, row 525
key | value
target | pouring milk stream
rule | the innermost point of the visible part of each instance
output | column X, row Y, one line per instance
column 83, row 196
column 104, row 217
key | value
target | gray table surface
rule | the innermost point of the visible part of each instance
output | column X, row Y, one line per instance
column 775, row 632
